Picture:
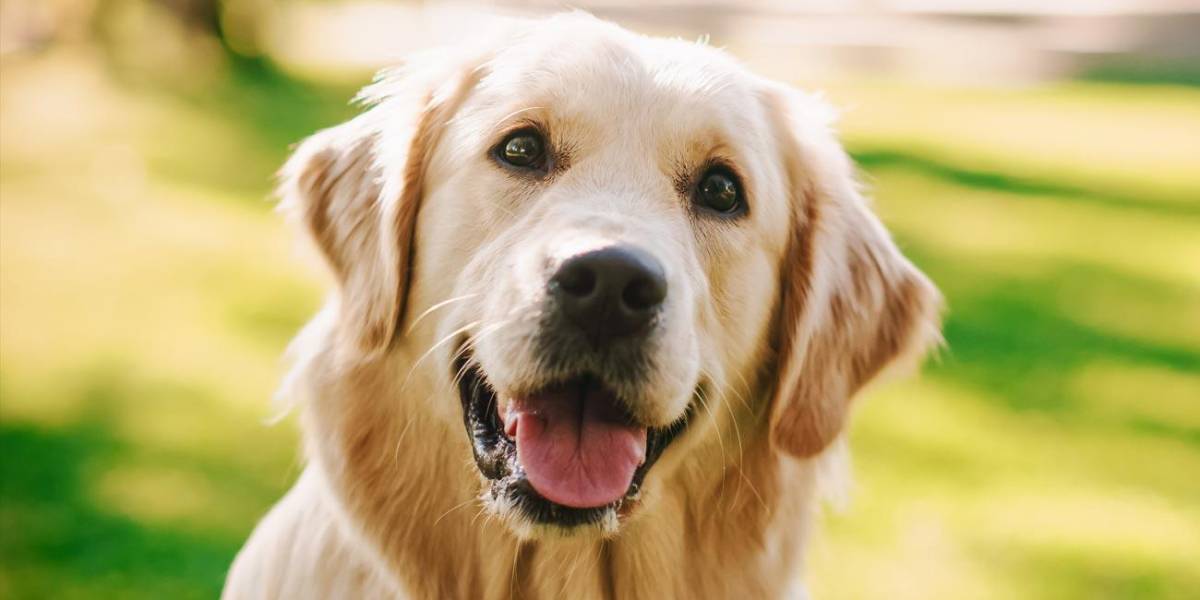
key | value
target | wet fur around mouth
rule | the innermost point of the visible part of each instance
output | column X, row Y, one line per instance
column 564, row 352
column 496, row 456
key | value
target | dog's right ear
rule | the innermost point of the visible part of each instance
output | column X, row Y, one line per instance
column 355, row 190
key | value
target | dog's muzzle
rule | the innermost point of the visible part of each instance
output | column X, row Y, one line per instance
column 568, row 450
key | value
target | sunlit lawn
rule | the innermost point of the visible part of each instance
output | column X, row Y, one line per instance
column 147, row 292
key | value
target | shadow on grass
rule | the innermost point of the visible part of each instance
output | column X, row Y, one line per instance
column 1012, row 334
column 58, row 543
column 63, row 538
column 1014, row 338
column 871, row 159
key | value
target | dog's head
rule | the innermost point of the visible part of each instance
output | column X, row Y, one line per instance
column 589, row 239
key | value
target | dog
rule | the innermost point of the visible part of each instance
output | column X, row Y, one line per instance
column 602, row 303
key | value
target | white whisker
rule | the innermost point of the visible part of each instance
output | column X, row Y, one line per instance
column 400, row 440
column 716, row 427
column 430, row 310
column 512, row 574
column 471, row 341
column 452, row 509
column 741, row 460
column 434, row 347
column 745, row 386
column 753, row 489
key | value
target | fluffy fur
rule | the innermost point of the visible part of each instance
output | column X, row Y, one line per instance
column 774, row 320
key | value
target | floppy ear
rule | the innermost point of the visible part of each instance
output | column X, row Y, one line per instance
column 356, row 191
column 851, row 303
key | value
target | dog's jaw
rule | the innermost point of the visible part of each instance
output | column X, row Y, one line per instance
column 507, row 489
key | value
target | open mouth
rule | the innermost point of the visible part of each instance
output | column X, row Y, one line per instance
column 567, row 454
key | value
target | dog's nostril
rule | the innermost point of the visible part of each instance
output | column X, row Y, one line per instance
column 644, row 293
column 576, row 279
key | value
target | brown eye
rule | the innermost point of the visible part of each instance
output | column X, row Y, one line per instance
column 719, row 191
column 522, row 149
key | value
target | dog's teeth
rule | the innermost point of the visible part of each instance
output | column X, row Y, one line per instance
column 508, row 419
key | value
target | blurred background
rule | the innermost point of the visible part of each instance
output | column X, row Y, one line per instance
column 1040, row 160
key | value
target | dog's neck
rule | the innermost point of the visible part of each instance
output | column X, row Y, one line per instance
column 727, row 519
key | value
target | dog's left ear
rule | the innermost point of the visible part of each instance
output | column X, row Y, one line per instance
column 356, row 190
column 850, row 304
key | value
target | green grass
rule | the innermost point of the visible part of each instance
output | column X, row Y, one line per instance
column 147, row 293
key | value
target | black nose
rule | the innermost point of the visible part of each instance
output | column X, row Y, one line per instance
column 610, row 293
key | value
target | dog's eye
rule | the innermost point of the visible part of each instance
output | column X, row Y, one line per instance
column 719, row 191
column 522, row 149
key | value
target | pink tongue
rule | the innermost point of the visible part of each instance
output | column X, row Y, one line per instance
column 576, row 451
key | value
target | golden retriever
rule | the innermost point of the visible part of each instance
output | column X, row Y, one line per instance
column 602, row 303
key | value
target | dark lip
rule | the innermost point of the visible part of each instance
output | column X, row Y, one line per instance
column 496, row 455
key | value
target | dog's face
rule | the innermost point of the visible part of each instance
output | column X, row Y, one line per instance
column 615, row 238
column 594, row 238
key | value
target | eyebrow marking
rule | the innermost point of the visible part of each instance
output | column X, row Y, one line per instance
column 515, row 113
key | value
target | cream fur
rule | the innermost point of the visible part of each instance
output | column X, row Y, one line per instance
column 782, row 315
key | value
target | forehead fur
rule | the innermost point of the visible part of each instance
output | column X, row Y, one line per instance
column 603, row 89
column 603, row 78
column 570, row 57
